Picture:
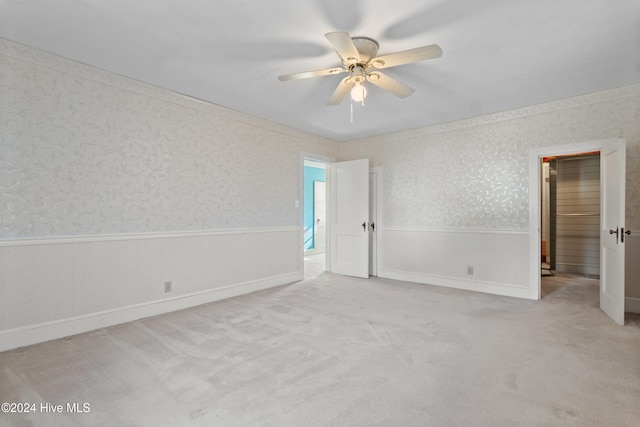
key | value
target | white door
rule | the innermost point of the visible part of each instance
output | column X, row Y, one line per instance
column 319, row 216
column 349, row 216
column 612, row 219
column 373, row 222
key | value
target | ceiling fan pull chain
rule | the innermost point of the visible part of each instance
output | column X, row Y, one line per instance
column 351, row 111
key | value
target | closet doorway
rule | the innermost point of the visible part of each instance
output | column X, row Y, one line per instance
column 570, row 215
column 612, row 233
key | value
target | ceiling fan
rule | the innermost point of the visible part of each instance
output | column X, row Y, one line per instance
column 358, row 55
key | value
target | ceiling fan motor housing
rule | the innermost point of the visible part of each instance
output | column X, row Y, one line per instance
column 367, row 48
column 357, row 73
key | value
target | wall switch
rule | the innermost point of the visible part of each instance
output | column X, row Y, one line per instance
column 167, row 287
column 470, row 270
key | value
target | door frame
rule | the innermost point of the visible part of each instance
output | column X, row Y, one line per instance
column 300, row 205
column 535, row 156
column 377, row 235
column 319, row 187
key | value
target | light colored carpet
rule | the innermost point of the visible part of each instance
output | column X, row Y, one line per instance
column 314, row 265
column 339, row 351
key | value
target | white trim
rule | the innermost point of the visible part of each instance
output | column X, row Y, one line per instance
column 51, row 61
column 57, row 240
column 321, row 159
column 377, row 233
column 450, row 230
column 529, row 111
column 632, row 305
column 494, row 288
column 315, row 164
column 512, row 283
column 16, row 50
column 312, row 252
column 32, row 334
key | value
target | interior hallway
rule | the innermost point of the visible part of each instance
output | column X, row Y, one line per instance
column 343, row 351
column 314, row 265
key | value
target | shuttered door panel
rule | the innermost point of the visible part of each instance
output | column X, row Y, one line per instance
column 578, row 215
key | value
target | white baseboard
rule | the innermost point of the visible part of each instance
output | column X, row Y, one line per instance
column 632, row 305
column 33, row 334
column 444, row 257
column 456, row 283
column 311, row 252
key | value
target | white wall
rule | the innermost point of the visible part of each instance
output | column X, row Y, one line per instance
column 109, row 187
column 61, row 286
column 456, row 186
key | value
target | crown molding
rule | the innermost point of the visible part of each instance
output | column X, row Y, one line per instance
column 529, row 111
column 23, row 52
column 60, row 64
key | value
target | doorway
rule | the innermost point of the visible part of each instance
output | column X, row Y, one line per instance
column 570, row 215
column 314, row 215
column 611, row 221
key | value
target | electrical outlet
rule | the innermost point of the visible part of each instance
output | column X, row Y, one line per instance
column 470, row 270
column 167, row 287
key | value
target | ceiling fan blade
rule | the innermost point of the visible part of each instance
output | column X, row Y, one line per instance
column 406, row 56
column 341, row 91
column 308, row 74
column 343, row 44
column 390, row 84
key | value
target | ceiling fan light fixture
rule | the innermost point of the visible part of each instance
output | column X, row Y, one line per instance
column 358, row 92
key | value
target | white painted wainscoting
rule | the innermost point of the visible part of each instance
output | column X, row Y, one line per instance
column 56, row 287
column 499, row 259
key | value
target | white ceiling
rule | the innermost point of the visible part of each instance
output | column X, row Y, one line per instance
column 498, row 54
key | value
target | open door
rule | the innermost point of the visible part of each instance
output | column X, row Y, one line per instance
column 612, row 230
column 373, row 223
column 349, row 208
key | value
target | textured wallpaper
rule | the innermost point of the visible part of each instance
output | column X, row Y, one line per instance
column 473, row 174
column 83, row 151
column 87, row 152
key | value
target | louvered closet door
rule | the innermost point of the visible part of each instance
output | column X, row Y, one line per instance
column 578, row 215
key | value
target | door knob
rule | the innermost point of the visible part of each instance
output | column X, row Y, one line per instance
column 623, row 232
column 615, row 232
column 364, row 226
column 372, row 226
